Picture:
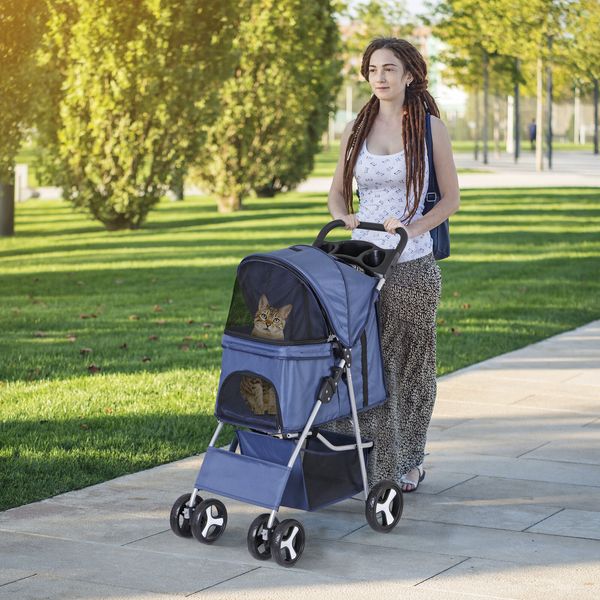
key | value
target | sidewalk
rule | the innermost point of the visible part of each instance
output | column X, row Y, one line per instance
column 569, row 169
column 510, row 508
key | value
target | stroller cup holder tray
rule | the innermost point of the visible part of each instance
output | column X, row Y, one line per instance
column 365, row 255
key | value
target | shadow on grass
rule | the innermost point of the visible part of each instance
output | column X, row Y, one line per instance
column 173, row 317
column 42, row 458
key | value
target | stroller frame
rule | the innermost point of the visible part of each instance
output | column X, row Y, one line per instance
column 285, row 541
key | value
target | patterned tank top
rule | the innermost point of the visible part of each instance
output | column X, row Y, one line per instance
column 381, row 180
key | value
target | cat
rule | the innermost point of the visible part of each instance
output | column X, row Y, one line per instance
column 269, row 323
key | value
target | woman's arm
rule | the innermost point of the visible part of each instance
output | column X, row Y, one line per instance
column 447, row 179
column 335, row 199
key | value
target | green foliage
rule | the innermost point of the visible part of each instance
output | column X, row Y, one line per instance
column 584, row 22
column 504, row 30
column 19, row 35
column 275, row 107
column 133, row 84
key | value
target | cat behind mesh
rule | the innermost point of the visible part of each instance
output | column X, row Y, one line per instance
column 269, row 323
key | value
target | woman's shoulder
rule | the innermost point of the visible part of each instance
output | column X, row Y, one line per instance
column 437, row 125
column 349, row 126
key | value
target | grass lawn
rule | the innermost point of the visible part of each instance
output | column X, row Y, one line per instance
column 110, row 347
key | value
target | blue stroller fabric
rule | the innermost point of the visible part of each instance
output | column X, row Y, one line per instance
column 259, row 473
column 332, row 303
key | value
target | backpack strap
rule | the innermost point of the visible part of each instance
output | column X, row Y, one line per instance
column 433, row 190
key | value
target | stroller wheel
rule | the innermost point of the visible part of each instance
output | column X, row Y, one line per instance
column 384, row 506
column 209, row 520
column 287, row 543
column 258, row 546
column 181, row 513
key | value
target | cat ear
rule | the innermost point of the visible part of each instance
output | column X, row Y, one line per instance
column 263, row 302
column 284, row 311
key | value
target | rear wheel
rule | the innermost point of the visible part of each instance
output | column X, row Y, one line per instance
column 384, row 506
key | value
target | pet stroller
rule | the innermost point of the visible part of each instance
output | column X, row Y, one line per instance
column 323, row 363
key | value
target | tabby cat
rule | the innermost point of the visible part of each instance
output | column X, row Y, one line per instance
column 269, row 323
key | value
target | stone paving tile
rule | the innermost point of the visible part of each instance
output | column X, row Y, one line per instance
column 324, row 557
column 479, row 542
column 493, row 444
column 516, row 468
column 582, row 447
column 472, row 387
column 46, row 587
column 519, row 582
column 112, row 565
column 477, row 513
column 268, row 583
column 571, row 523
column 505, row 490
column 83, row 524
column 554, row 402
column 11, row 575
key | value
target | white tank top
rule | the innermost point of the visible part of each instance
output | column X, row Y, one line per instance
column 381, row 180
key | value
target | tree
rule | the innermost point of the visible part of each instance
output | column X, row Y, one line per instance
column 506, row 29
column 275, row 106
column 369, row 19
column 20, row 22
column 584, row 24
column 135, row 84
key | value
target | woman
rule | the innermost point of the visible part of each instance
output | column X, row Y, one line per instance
column 384, row 148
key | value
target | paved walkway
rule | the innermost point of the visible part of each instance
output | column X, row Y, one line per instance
column 570, row 169
column 510, row 508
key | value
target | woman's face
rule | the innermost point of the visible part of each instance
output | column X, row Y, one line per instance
column 387, row 76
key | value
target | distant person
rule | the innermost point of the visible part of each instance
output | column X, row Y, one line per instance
column 532, row 133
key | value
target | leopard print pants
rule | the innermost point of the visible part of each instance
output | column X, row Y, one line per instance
column 398, row 427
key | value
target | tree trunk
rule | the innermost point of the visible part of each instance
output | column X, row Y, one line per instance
column 7, row 209
column 229, row 204
column 517, row 117
column 496, row 125
column 510, row 124
column 595, row 116
column 577, row 115
column 477, row 126
column 549, row 101
column 539, row 119
column 486, row 108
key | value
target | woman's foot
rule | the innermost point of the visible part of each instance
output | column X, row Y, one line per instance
column 410, row 481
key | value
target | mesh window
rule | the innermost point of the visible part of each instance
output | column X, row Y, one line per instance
column 271, row 303
column 249, row 399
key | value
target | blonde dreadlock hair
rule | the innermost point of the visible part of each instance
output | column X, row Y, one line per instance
column 417, row 101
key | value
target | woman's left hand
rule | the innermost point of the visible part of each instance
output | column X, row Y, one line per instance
column 391, row 224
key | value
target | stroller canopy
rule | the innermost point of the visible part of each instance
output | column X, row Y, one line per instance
column 288, row 276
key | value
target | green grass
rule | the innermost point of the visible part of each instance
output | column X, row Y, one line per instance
column 149, row 307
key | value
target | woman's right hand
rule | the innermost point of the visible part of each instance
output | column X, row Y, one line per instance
column 351, row 221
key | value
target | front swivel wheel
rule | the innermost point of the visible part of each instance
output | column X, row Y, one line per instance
column 181, row 514
column 259, row 537
column 287, row 543
column 209, row 520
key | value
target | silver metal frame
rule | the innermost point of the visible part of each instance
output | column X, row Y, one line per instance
column 302, row 439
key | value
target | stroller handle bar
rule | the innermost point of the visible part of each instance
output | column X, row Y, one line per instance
column 391, row 260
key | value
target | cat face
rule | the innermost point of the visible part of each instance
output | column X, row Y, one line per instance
column 269, row 321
